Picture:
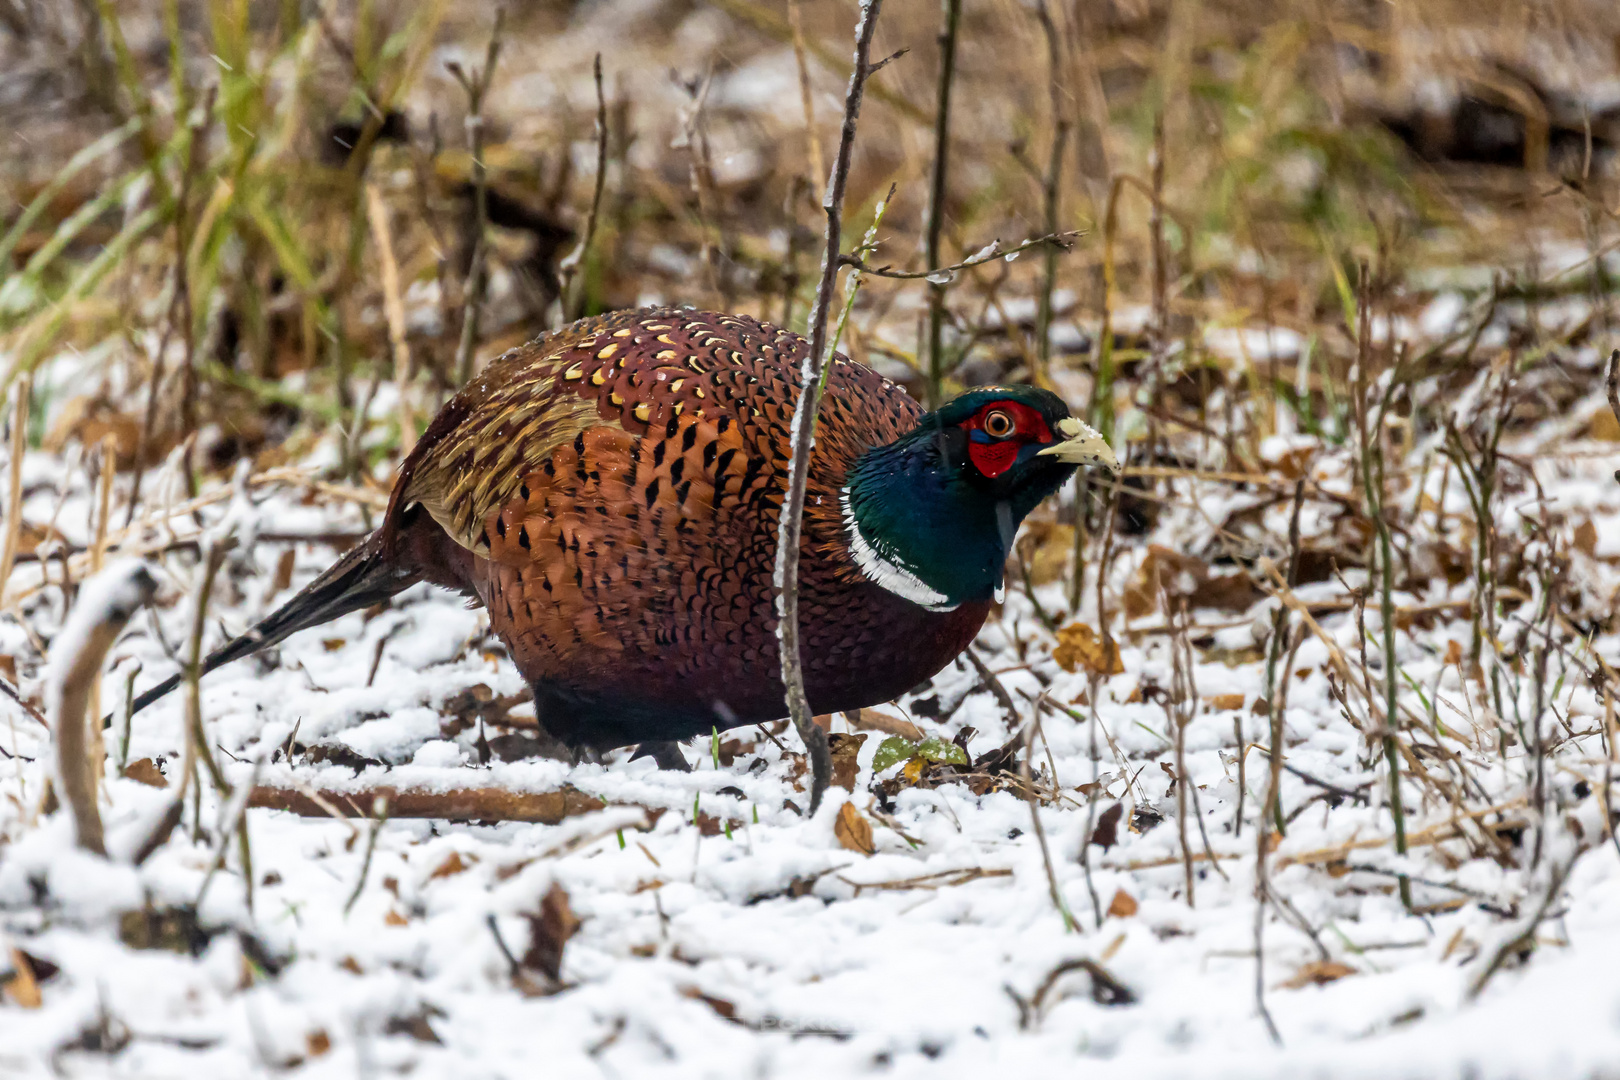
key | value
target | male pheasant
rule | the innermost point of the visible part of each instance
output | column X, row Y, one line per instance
column 611, row 493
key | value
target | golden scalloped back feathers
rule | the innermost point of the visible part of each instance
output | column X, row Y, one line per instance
column 675, row 376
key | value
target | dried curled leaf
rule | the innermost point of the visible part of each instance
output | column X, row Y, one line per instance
column 845, row 750
column 549, row 931
column 853, row 831
column 1317, row 973
column 1080, row 647
column 1106, row 834
column 22, row 988
column 1123, row 905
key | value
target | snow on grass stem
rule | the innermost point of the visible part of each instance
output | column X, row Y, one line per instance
column 476, row 86
column 394, row 312
column 951, row 19
column 14, row 493
column 105, row 604
column 573, row 279
column 1372, row 483
column 379, row 817
column 804, row 420
column 213, row 552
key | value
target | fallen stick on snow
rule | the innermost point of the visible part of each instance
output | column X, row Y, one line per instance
column 470, row 804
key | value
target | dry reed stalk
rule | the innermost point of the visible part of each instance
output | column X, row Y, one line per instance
column 98, row 558
column 1031, row 729
column 476, row 86
column 14, row 493
column 214, row 551
column 951, row 16
column 573, row 281
column 812, row 139
column 104, row 607
column 455, row 804
column 812, row 376
column 394, row 312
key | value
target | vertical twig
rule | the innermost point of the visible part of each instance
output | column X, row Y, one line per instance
column 214, row 551
column 105, row 605
column 812, row 141
column 379, row 817
column 804, row 422
column 952, row 16
column 573, row 279
column 476, row 86
column 1372, row 488
column 1051, row 196
column 394, row 312
column 1274, row 648
column 1031, row 729
column 1161, row 285
column 14, row 499
column 98, row 559
column 1178, row 709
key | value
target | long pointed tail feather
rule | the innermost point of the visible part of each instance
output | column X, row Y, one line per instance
column 359, row 579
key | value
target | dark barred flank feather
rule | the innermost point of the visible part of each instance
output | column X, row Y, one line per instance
column 610, row 493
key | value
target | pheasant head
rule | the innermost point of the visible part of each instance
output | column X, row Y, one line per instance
column 932, row 515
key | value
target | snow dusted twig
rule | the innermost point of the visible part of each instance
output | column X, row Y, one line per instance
column 804, row 424
column 476, row 86
column 19, row 446
column 938, row 175
column 379, row 818
column 231, row 823
column 573, row 281
column 1611, row 384
column 394, row 312
column 105, row 605
column 941, row 275
column 1548, row 884
column 1031, row 730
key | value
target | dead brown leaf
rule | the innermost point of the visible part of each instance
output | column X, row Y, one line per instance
column 1185, row 577
column 146, row 771
column 872, row 720
column 22, row 988
column 549, row 931
column 1586, row 536
column 723, row 1008
column 452, row 865
column 845, row 750
column 317, row 1042
column 854, row 832
column 283, row 576
column 1603, row 427
column 8, row 668
column 1123, row 905
column 1225, row 702
column 1106, row 834
column 1317, row 973
column 1080, row 647
column 1045, row 548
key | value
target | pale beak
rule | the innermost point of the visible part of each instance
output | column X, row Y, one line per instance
column 1082, row 445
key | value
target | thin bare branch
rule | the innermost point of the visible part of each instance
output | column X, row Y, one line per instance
column 804, row 423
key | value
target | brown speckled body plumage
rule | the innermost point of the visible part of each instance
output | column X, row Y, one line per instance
column 611, row 494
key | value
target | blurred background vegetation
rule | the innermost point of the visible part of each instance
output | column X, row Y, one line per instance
column 252, row 229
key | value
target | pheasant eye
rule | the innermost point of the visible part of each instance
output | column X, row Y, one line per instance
column 999, row 424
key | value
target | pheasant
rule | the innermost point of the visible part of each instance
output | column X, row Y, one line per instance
column 610, row 493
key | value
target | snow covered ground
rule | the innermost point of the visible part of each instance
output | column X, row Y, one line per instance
column 720, row 933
